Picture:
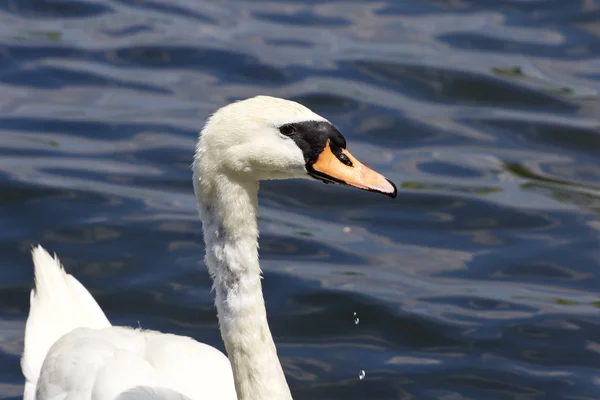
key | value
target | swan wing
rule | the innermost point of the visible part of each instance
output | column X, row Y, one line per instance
column 123, row 363
column 73, row 353
column 58, row 304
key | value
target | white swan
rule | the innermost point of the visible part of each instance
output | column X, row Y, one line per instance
column 72, row 351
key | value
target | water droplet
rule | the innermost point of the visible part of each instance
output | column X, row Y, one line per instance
column 356, row 320
column 361, row 375
column 355, row 313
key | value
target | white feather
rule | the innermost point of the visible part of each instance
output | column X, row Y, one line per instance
column 73, row 353
column 89, row 359
column 59, row 304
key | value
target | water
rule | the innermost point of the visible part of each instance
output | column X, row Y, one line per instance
column 480, row 281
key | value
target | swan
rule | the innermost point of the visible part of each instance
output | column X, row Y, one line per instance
column 72, row 351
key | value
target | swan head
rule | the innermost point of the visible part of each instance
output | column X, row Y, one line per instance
column 264, row 138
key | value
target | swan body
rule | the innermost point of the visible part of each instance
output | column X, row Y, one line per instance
column 72, row 352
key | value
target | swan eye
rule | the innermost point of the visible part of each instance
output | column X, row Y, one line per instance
column 287, row 130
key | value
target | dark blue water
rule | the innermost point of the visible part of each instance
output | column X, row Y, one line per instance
column 480, row 281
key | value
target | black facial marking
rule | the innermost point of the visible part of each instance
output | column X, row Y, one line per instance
column 312, row 136
column 344, row 158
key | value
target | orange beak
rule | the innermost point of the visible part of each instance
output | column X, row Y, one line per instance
column 344, row 168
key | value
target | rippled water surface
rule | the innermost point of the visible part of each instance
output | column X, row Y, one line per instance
column 480, row 281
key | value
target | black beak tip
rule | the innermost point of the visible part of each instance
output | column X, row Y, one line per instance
column 395, row 192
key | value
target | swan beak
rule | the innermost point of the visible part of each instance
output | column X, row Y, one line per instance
column 342, row 167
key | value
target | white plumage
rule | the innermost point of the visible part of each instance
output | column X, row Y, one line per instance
column 73, row 353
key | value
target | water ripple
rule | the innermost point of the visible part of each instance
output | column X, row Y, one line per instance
column 479, row 281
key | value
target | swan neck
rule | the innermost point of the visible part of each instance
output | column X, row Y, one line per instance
column 228, row 209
